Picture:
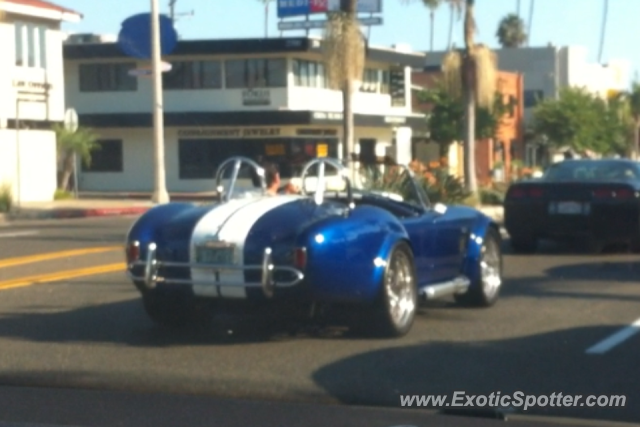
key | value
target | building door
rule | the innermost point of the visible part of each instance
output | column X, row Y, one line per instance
column 367, row 150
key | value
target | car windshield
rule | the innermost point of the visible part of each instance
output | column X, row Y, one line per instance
column 592, row 170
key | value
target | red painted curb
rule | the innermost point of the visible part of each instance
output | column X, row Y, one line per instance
column 97, row 212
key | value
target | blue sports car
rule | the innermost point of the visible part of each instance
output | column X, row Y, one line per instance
column 341, row 241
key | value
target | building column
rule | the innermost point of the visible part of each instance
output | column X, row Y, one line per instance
column 402, row 147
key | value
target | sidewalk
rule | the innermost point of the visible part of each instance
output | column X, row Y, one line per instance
column 65, row 209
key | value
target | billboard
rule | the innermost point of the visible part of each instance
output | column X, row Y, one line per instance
column 290, row 8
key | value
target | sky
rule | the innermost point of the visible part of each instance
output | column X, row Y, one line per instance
column 561, row 22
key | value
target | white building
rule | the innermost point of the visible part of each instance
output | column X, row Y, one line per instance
column 264, row 98
column 31, row 95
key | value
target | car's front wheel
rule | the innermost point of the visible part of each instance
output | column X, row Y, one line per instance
column 176, row 310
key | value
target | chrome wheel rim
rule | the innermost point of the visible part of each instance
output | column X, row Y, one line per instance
column 490, row 268
column 399, row 286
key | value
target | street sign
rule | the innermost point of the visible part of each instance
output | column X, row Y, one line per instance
column 134, row 38
column 291, row 8
column 319, row 24
column 71, row 122
column 147, row 71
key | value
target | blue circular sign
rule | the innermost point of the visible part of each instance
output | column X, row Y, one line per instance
column 134, row 38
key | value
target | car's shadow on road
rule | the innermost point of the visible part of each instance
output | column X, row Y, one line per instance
column 540, row 364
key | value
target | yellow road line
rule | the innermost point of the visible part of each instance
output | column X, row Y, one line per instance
column 10, row 262
column 61, row 275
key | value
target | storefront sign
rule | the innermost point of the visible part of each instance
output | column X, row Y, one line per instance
column 397, row 87
column 31, row 87
column 322, row 150
column 316, row 132
column 229, row 133
column 253, row 97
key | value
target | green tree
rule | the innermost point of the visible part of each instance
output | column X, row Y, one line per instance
column 471, row 74
column 80, row 143
column 511, row 32
column 344, row 55
column 446, row 118
column 583, row 121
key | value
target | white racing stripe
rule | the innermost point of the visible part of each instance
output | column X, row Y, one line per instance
column 232, row 223
column 615, row 339
column 19, row 234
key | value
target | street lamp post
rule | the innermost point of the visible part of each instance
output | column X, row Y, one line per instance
column 160, row 194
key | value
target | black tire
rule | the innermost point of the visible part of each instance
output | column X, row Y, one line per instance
column 399, row 283
column 176, row 310
column 524, row 245
column 485, row 291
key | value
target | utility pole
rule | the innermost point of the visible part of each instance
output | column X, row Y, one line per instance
column 172, row 11
column 160, row 194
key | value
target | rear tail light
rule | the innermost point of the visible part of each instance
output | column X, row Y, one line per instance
column 613, row 193
column 523, row 192
column 536, row 192
column 133, row 252
column 300, row 258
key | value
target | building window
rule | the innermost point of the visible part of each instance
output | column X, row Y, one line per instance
column 111, row 77
column 194, row 75
column 532, row 97
column 30, row 45
column 309, row 73
column 254, row 73
column 384, row 82
column 370, row 80
column 107, row 158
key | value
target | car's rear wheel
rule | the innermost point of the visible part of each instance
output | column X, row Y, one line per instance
column 398, row 303
column 486, row 289
column 176, row 310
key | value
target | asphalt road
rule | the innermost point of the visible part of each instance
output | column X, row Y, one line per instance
column 69, row 318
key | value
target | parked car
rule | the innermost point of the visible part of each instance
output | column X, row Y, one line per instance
column 595, row 200
column 352, row 246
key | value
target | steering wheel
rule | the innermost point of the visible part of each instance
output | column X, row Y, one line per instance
column 237, row 163
column 321, row 183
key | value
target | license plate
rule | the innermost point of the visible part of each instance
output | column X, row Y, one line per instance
column 569, row 208
column 218, row 256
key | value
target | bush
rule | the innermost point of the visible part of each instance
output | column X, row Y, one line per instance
column 491, row 197
column 62, row 195
column 6, row 198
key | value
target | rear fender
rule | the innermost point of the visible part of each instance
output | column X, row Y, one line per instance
column 346, row 255
column 146, row 228
column 478, row 231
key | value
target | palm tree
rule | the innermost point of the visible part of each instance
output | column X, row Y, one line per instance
column 80, row 143
column 455, row 8
column 266, row 4
column 471, row 74
column 603, row 31
column 511, row 31
column 344, row 55
column 531, row 9
column 432, row 5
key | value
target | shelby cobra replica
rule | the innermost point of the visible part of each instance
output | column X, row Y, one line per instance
column 347, row 246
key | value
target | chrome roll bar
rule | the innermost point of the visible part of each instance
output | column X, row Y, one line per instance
column 237, row 162
column 343, row 172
